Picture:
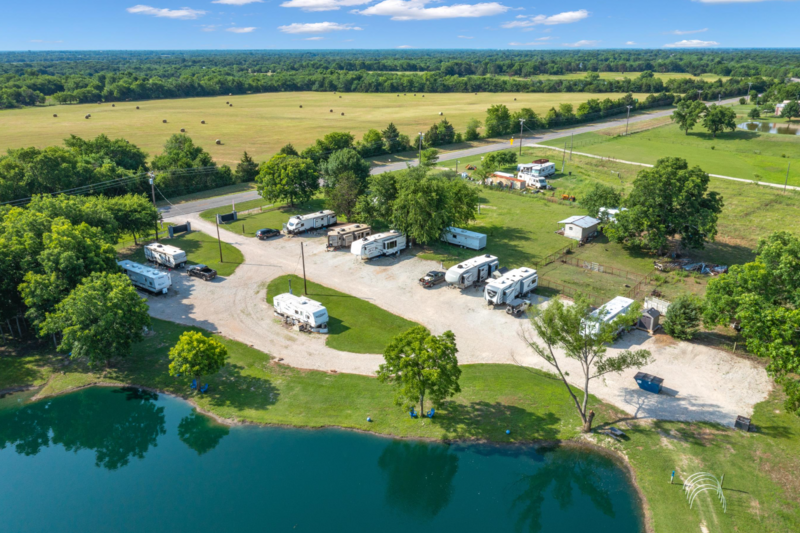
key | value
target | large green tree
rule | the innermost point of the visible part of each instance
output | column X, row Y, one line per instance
column 421, row 365
column 498, row 121
column 100, row 319
column 391, row 139
column 687, row 114
column 598, row 196
column 246, row 169
column 668, row 200
column 287, row 178
column 718, row 119
column 346, row 161
column 791, row 110
column 342, row 198
column 196, row 355
column 683, row 317
column 471, row 131
column 574, row 332
column 134, row 213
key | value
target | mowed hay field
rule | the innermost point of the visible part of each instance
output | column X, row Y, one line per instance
column 261, row 123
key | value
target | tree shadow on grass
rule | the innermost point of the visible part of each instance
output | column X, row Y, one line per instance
column 24, row 370
column 485, row 420
column 231, row 388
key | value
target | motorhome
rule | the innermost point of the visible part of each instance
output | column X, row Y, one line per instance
column 145, row 277
column 464, row 238
column 538, row 170
column 514, row 284
column 299, row 310
column 389, row 243
column 536, row 182
column 472, row 271
column 301, row 223
column 607, row 313
column 165, row 255
column 344, row 235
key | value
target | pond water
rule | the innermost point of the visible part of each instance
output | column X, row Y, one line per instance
column 124, row 460
column 770, row 127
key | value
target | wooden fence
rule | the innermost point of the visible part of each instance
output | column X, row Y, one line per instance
column 597, row 267
column 570, row 292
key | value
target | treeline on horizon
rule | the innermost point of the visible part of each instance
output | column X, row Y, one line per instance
column 28, row 78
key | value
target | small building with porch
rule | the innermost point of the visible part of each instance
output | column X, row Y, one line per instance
column 506, row 180
column 579, row 227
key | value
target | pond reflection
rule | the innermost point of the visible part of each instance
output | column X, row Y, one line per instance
column 770, row 127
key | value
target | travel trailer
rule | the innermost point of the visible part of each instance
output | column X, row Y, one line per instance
column 303, row 311
column 164, row 254
column 389, row 243
column 514, row 284
column 145, row 277
column 344, row 235
column 464, row 238
column 301, row 223
column 472, row 271
column 607, row 313
column 539, row 170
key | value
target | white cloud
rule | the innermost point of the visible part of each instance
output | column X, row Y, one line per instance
column 629, row 43
column 236, row 2
column 534, row 43
column 465, row 37
column 323, row 5
column 405, row 46
column 416, row 10
column 313, row 38
column 183, row 13
column 684, row 32
column 567, row 17
column 692, row 43
column 544, row 38
column 316, row 27
column 581, row 43
column 250, row 29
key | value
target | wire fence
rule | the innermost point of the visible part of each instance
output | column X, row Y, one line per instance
column 641, row 289
column 597, row 267
column 570, row 292
column 558, row 254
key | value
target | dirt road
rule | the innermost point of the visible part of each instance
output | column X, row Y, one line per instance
column 702, row 383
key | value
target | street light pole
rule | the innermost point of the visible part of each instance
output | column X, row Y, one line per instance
column 749, row 85
column 153, row 192
column 627, row 119
column 521, row 124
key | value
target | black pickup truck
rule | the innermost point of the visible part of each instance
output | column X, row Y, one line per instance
column 202, row 272
column 434, row 277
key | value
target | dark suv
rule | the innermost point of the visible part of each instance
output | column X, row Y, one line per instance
column 266, row 233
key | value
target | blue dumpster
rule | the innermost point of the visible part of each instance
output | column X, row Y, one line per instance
column 648, row 382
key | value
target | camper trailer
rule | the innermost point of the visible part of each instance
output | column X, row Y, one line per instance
column 145, row 277
column 464, row 238
column 299, row 310
column 302, row 223
column 389, row 243
column 538, row 170
column 607, row 313
column 344, row 236
column 472, row 271
column 535, row 182
column 165, row 255
column 514, row 284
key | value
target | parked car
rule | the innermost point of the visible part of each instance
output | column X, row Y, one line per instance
column 434, row 277
column 266, row 233
column 202, row 271
column 517, row 306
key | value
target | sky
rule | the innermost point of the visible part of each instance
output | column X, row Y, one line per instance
column 397, row 24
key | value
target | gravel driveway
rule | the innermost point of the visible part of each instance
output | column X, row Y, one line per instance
column 702, row 383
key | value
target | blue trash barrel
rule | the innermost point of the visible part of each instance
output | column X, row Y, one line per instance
column 648, row 382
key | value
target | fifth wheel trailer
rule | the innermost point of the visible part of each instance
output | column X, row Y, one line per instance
column 302, row 310
column 389, row 243
column 472, row 271
column 164, row 254
column 513, row 284
column 607, row 313
column 301, row 223
column 145, row 277
column 344, row 235
column 464, row 238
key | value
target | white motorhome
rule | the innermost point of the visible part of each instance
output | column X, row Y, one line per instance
column 535, row 182
column 538, row 170
column 301, row 223
column 145, row 277
column 464, row 238
column 513, row 284
column 389, row 243
column 607, row 313
column 472, row 271
column 609, row 214
column 164, row 254
column 302, row 310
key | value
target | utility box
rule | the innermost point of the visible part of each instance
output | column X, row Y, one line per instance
column 175, row 230
column 230, row 217
column 648, row 382
column 742, row 423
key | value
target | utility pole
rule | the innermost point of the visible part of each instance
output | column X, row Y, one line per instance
column 420, row 147
column 699, row 94
column 571, row 143
column 563, row 156
column 521, row 124
column 457, row 162
column 787, row 177
column 153, row 193
column 627, row 119
column 749, row 85
column 303, row 255
column 219, row 242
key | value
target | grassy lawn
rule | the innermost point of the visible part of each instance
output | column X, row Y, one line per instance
column 274, row 218
column 262, row 123
column 200, row 249
column 355, row 325
column 760, row 467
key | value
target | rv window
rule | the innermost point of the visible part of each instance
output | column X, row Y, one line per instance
column 391, row 245
column 454, row 236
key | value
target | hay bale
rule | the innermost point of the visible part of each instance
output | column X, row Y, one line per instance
column 230, row 94
column 440, row 113
column 231, row 105
column 87, row 116
column 99, row 102
column 54, row 115
column 137, row 107
column 183, row 130
column 342, row 114
column 164, row 121
column 301, row 107
column 515, row 99
column 113, row 105
column 423, row 96
column 217, row 142
column 331, row 111
column 340, row 97
column 202, row 122
column 227, row 103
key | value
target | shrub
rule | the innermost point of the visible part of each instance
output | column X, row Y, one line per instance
column 683, row 317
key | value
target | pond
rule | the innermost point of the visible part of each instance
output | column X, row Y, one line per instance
column 125, row 460
column 770, row 127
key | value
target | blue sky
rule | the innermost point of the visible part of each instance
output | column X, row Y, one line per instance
column 331, row 24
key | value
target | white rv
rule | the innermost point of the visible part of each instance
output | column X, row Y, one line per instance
column 514, row 284
column 302, row 310
column 464, row 238
column 300, row 223
column 389, row 243
column 607, row 313
column 472, row 271
column 535, row 182
column 145, row 277
column 164, row 254
column 538, row 170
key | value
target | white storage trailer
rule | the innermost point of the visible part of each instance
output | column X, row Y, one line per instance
column 607, row 313
column 389, row 243
column 302, row 223
column 464, row 238
column 472, row 271
column 302, row 310
column 539, row 170
column 346, row 234
column 513, row 284
column 145, row 277
column 164, row 254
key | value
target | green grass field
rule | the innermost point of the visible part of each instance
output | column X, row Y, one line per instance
column 665, row 76
column 760, row 467
column 261, row 123
column 355, row 325
column 274, row 216
column 200, row 249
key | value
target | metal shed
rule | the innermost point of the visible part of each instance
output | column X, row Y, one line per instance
column 579, row 227
column 649, row 382
column 649, row 320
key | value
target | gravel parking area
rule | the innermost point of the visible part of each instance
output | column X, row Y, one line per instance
column 702, row 383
